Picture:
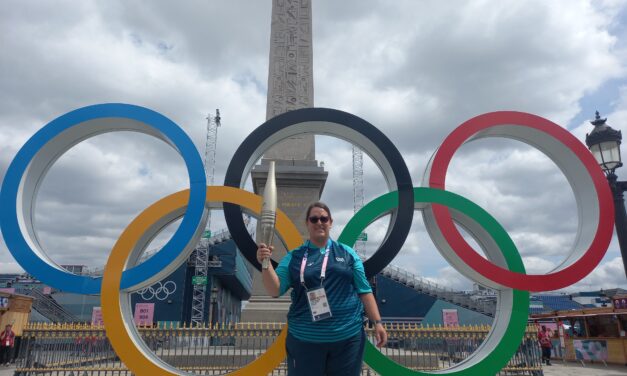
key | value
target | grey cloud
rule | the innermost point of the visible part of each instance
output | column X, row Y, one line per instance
column 416, row 71
column 480, row 60
column 219, row 38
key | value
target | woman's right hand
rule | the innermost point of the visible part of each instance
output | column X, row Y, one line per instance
column 263, row 252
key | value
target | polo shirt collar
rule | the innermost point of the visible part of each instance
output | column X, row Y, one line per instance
column 312, row 246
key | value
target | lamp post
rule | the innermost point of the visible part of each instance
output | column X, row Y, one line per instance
column 604, row 143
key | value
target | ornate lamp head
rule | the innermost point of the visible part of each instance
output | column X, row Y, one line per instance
column 604, row 143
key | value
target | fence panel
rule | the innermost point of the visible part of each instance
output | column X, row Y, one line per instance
column 77, row 349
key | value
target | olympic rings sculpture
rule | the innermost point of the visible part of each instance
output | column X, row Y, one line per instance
column 156, row 291
column 502, row 269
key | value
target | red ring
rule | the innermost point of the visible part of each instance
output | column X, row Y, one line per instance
column 530, row 282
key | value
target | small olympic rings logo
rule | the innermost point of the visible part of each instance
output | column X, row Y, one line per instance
column 501, row 269
column 159, row 291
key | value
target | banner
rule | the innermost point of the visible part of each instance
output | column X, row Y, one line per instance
column 620, row 302
column 590, row 349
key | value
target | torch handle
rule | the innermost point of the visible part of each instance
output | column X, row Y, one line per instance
column 268, row 218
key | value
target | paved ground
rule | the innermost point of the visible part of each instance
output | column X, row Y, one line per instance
column 575, row 369
column 557, row 369
column 7, row 371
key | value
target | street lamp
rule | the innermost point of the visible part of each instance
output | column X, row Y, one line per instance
column 604, row 143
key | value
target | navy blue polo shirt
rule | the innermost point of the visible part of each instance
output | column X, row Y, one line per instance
column 345, row 280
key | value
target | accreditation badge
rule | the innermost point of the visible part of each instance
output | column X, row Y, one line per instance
column 318, row 304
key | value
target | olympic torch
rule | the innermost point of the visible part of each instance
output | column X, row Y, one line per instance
column 268, row 213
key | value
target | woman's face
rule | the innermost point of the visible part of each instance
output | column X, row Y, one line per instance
column 319, row 231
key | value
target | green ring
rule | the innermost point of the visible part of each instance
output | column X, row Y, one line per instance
column 496, row 359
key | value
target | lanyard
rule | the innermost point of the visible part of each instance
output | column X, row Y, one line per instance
column 323, row 272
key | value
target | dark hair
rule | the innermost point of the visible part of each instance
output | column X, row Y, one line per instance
column 318, row 204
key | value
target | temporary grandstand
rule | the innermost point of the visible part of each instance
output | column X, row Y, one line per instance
column 550, row 303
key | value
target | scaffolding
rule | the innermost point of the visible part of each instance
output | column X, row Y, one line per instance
column 201, row 253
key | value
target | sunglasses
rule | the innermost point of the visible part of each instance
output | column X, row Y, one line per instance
column 316, row 219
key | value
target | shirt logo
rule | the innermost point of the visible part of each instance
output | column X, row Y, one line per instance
column 339, row 259
column 311, row 263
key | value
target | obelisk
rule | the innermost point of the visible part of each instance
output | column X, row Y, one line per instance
column 299, row 177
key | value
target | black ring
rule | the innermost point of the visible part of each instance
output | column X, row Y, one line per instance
column 402, row 216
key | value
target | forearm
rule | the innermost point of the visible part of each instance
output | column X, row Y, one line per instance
column 271, row 281
column 372, row 311
column 370, row 305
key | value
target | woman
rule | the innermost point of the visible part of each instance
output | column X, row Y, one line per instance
column 7, row 342
column 544, row 337
column 329, row 294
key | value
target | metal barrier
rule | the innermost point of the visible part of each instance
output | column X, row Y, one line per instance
column 78, row 349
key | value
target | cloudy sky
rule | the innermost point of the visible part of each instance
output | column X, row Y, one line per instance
column 416, row 70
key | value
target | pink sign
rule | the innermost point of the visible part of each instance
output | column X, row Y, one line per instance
column 449, row 317
column 144, row 314
column 96, row 316
column 10, row 290
column 47, row 290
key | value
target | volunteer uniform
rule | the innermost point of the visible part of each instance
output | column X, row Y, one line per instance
column 7, row 341
column 325, row 320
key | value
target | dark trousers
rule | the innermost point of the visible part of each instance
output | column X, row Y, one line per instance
column 342, row 358
column 6, row 353
column 546, row 354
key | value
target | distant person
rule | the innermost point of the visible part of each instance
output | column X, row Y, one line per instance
column 329, row 294
column 7, row 341
column 544, row 337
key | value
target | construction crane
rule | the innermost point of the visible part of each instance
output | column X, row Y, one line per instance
column 201, row 253
column 358, row 195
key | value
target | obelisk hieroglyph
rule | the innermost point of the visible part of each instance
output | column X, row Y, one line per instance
column 299, row 177
column 290, row 73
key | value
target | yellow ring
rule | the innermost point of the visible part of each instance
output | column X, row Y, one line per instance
column 118, row 330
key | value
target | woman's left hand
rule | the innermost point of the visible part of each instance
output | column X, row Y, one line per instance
column 381, row 335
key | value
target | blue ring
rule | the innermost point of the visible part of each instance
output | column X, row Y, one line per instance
column 69, row 282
